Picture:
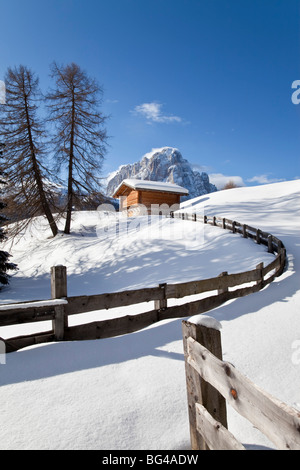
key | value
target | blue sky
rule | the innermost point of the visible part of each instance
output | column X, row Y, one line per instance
column 212, row 78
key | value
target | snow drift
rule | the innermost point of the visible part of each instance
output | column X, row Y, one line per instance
column 129, row 392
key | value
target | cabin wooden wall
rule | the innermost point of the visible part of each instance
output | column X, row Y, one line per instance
column 133, row 197
column 155, row 197
column 129, row 198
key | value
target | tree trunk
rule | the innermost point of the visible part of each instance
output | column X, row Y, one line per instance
column 70, row 177
column 38, row 179
column 70, row 197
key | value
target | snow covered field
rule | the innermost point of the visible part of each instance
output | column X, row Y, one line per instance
column 128, row 392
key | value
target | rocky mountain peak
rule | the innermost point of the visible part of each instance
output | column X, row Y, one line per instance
column 164, row 164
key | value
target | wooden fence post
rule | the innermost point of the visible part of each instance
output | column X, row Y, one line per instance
column 58, row 282
column 260, row 266
column 198, row 390
column 221, row 291
column 59, row 291
column 258, row 236
column 270, row 244
column 162, row 303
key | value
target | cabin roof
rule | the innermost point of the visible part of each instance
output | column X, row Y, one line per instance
column 146, row 185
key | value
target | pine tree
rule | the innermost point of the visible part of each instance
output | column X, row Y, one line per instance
column 22, row 131
column 80, row 139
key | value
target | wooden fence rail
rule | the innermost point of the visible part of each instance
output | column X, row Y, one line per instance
column 211, row 383
column 221, row 289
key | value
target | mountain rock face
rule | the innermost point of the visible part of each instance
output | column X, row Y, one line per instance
column 164, row 164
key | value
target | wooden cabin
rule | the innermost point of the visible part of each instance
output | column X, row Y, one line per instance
column 141, row 197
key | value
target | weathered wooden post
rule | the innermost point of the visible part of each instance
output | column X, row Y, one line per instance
column 225, row 288
column 161, row 304
column 270, row 244
column 260, row 267
column 258, row 236
column 59, row 291
column 198, row 390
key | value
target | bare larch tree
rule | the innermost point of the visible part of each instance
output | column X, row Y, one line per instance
column 22, row 132
column 79, row 136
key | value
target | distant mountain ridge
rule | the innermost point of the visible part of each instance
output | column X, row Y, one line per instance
column 165, row 164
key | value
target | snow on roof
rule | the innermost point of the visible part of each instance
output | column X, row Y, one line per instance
column 153, row 186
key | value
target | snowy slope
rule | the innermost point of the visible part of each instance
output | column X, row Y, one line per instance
column 129, row 392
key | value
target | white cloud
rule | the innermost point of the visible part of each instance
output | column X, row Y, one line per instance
column 220, row 180
column 153, row 113
column 200, row 168
column 264, row 179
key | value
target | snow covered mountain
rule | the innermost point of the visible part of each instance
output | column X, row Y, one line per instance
column 163, row 164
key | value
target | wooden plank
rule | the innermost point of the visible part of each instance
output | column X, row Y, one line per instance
column 278, row 421
column 198, row 390
column 243, row 291
column 29, row 315
column 216, row 283
column 112, row 327
column 228, row 223
column 269, row 279
column 89, row 303
column 275, row 264
column 128, row 324
column 215, row 434
column 251, row 229
column 20, row 342
column 251, row 235
column 206, row 304
column 194, row 308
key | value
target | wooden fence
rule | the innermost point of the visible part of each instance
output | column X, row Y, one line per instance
column 212, row 383
column 221, row 289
